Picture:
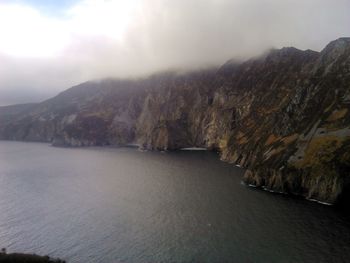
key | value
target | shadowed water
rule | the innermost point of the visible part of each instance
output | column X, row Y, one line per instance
column 121, row 205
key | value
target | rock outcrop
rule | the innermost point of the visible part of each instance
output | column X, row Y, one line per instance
column 26, row 258
column 284, row 116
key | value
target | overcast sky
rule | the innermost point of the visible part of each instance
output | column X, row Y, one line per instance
column 47, row 46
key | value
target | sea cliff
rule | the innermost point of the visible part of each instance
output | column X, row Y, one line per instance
column 284, row 116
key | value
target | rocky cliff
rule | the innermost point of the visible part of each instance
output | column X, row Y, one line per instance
column 284, row 116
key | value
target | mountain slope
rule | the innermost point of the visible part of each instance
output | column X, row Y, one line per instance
column 284, row 116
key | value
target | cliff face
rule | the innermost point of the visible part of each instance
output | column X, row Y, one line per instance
column 284, row 116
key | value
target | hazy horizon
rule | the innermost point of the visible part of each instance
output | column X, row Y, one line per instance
column 49, row 46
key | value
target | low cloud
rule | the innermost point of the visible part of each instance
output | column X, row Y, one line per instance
column 42, row 54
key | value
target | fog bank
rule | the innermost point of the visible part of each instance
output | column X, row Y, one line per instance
column 42, row 53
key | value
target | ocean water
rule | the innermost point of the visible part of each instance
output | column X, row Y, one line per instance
column 122, row 205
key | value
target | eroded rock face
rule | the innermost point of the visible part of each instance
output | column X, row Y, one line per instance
column 284, row 116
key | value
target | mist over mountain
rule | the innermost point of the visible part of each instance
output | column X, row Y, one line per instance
column 51, row 46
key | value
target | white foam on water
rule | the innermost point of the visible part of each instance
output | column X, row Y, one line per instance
column 278, row 192
column 250, row 185
column 317, row 201
column 193, row 149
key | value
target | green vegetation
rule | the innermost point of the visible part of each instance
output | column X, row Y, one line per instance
column 321, row 150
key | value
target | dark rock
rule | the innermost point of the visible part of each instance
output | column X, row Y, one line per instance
column 26, row 258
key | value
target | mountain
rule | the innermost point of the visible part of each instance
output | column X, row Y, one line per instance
column 284, row 116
